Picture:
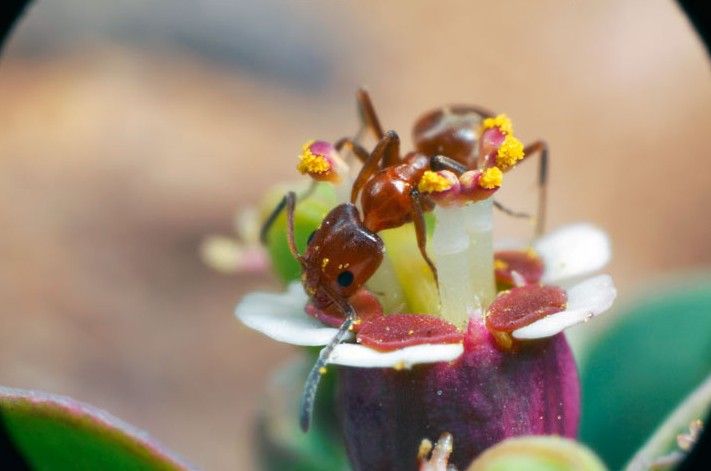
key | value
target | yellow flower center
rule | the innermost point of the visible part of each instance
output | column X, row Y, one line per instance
column 510, row 152
column 491, row 178
column 501, row 121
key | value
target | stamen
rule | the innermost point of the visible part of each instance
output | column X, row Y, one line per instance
column 491, row 178
column 501, row 121
column 310, row 163
column 510, row 152
column 433, row 182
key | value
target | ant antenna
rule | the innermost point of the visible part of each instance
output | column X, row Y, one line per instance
column 276, row 212
column 308, row 397
column 288, row 202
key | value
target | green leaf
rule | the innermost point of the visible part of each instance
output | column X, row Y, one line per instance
column 537, row 453
column 282, row 444
column 637, row 371
column 664, row 440
column 56, row 433
column 308, row 215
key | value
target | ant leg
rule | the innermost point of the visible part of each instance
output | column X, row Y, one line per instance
column 511, row 212
column 440, row 162
column 270, row 220
column 386, row 149
column 540, row 147
column 357, row 149
column 308, row 398
column 418, row 218
column 367, row 113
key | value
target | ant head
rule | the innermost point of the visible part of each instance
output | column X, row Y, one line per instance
column 452, row 131
column 341, row 255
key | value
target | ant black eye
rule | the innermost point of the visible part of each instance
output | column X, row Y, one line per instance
column 311, row 236
column 345, row 278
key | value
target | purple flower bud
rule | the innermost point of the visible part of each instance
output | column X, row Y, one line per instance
column 485, row 396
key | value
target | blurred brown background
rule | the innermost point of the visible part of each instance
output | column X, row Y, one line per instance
column 131, row 130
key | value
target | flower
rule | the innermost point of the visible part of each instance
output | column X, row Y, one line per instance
column 429, row 329
column 472, row 389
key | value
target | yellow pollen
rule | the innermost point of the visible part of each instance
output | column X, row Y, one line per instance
column 500, row 264
column 432, row 182
column 501, row 121
column 312, row 163
column 322, row 370
column 399, row 366
column 510, row 152
column 324, row 262
column 531, row 253
column 491, row 178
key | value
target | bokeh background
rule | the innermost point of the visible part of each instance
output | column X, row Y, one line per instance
column 131, row 130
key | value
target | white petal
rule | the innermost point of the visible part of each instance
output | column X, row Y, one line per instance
column 573, row 251
column 585, row 301
column 281, row 316
column 349, row 354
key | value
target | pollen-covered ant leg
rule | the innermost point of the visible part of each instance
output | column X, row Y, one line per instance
column 540, row 147
column 387, row 150
column 308, row 398
column 418, row 218
column 367, row 113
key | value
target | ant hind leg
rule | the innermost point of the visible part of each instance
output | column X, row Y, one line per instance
column 540, row 147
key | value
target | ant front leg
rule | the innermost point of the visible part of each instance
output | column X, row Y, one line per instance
column 440, row 162
column 308, row 398
column 387, row 150
column 540, row 147
column 418, row 218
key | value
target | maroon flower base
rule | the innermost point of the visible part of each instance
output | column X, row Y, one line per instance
column 482, row 398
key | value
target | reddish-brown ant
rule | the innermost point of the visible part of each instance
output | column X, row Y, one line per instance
column 345, row 250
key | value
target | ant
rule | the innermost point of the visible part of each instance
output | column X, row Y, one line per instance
column 345, row 250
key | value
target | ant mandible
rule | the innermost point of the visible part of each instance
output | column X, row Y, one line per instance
column 345, row 250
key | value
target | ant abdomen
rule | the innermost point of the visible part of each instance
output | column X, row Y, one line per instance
column 452, row 131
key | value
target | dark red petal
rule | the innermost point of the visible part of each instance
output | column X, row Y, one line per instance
column 524, row 262
column 522, row 306
column 363, row 301
column 395, row 331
